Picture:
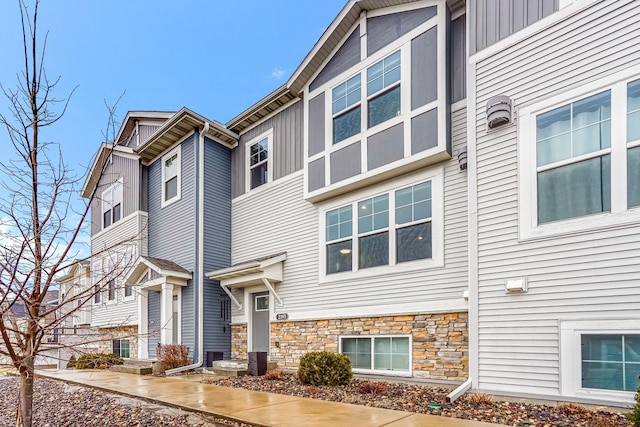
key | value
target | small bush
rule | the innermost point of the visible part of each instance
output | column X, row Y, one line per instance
column 324, row 368
column 374, row 388
column 634, row 415
column 572, row 409
column 602, row 421
column 98, row 361
column 275, row 375
column 480, row 399
column 173, row 356
column 72, row 362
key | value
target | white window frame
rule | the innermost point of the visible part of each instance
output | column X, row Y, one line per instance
column 527, row 170
column 571, row 332
column 97, row 282
column 175, row 151
column 268, row 135
column 407, row 373
column 120, row 340
column 107, row 202
column 435, row 175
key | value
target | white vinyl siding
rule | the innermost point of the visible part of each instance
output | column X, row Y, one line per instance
column 305, row 297
column 589, row 274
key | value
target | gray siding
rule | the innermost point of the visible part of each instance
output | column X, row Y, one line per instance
column 579, row 276
column 424, row 68
column 287, row 153
column 217, row 242
column 385, row 147
column 458, row 58
column 127, row 169
column 346, row 57
column 172, row 229
column 316, row 125
column 315, row 174
column 153, row 302
column 424, row 131
column 146, row 131
column 493, row 20
column 345, row 162
column 382, row 30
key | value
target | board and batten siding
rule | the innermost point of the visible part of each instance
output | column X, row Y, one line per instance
column 279, row 219
column 217, row 243
column 585, row 275
column 287, row 153
column 493, row 20
column 172, row 229
column 118, row 167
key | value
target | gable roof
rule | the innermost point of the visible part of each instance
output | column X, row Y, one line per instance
column 163, row 267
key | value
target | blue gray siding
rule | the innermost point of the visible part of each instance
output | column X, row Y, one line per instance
column 153, row 302
column 172, row 229
column 121, row 167
column 287, row 128
column 346, row 57
column 217, row 243
column 493, row 20
column 458, row 58
column 382, row 30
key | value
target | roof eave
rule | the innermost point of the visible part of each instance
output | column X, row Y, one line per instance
column 267, row 105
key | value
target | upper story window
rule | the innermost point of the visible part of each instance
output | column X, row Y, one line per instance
column 171, row 177
column 580, row 159
column 259, row 165
column 346, row 109
column 112, row 204
column 386, row 229
column 383, row 90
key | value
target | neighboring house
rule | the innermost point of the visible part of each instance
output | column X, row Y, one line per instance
column 554, row 202
column 356, row 209
column 160, row 218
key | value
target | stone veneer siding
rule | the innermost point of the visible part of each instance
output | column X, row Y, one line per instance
column 124, row 332
column 440, row 342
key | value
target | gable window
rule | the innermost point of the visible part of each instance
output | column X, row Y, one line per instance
column 112, row 204
column 121, row 348
column 580, row 159
column 171, row 177
column 392, row 228
column 346, row 109
column 383, row 90
column 259, row 163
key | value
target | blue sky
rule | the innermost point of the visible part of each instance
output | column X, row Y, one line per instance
column 214, row 57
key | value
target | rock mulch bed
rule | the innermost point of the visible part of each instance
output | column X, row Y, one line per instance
column 431, row 400
column 56, row 404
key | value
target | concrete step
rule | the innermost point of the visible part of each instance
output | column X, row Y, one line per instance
column 234, row 368
column 133, row 369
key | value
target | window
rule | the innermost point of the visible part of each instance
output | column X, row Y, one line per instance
column 97, row 297
column 111, row 285
column 580, row 158
column 121, row 348
column 384, row 353
column 262, row 303
column 128, row 290
column 383, row 98
column 258, row 162
column 171, row 177
column 112, row 204
column 96, row 271
column 392, row 228
column 611, row 362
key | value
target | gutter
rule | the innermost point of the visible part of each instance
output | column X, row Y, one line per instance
column 199, row 318
column 462, row 389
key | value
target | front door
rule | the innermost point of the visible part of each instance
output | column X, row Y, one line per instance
column 260, row 322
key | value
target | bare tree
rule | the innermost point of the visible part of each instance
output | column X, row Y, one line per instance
column 39, row 227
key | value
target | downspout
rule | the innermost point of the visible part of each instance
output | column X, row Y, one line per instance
column 199, row 275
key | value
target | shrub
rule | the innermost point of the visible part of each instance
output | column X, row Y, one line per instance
column 173, row 356
column 372, row 387
column 634, row 415
column 480, row 399
column 98, row 361
column 72, row 362
column 325, row 368
column 275, row 375
column 572, row 408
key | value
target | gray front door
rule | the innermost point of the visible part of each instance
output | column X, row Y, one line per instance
column 260, row 321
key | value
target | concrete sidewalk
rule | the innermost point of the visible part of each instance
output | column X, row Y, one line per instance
column 253, row 407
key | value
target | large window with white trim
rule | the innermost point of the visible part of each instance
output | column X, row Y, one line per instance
column 378, row 353
column 580, row 158
column 112, row 204
column 121, row 347
column 610, row 362
column 389, row 228
column 171, row 176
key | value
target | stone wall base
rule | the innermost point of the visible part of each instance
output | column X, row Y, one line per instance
column 107, row 335
column 440, row 342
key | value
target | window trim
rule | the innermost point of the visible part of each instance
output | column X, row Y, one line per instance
column 436, row 176
column 120, row 346
column 407, row 373
column 528, row 227
column 177, row 150
column 571, row 332
column 247, row 160
column 110, row 189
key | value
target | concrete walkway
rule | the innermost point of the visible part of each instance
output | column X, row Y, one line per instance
column 253, row 407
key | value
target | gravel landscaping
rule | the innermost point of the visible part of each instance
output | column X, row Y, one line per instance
column 56, row 404
column 431, row 400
